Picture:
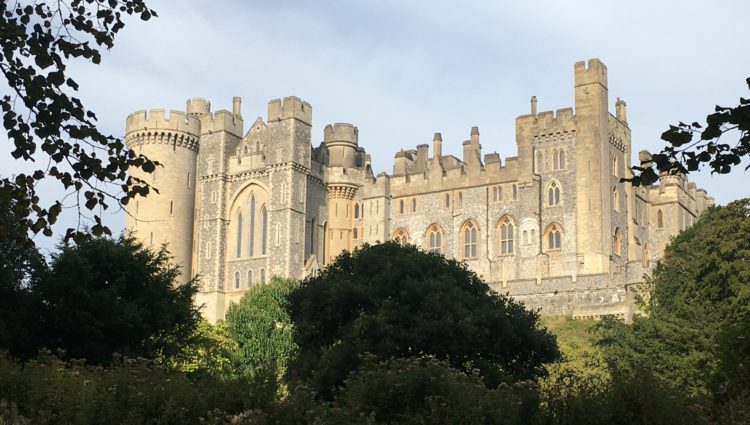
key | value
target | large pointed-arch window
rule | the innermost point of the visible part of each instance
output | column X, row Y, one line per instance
column 239, row 234
column 553, row 194
column 554, row 237
column 401, row 236
column 506, row 230
column 469, row 238
column 617, row 242
column 263, row 230
column 251, row 241
column 435, row 239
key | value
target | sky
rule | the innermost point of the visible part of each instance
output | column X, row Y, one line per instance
column 402, row 70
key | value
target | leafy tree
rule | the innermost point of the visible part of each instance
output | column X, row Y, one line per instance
column 394, row 301
column 46, row 122
column 698, row 308
column 21, row 265
column 262, row 329
column 691, row 145
column 209, row 352
column 105, row 296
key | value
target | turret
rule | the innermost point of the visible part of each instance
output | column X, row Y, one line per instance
column 341, row 143
column 166, row 217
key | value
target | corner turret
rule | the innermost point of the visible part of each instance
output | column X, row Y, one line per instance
column 341, row 140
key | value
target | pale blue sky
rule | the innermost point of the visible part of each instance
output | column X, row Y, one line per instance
column 402, row 70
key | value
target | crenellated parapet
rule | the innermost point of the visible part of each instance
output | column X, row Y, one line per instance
column 222, row 121
column 291, row 107
column 155, row 127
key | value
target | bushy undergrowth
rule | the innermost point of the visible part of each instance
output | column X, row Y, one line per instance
column 49, row 391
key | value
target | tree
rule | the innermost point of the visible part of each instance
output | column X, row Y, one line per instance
column 692, row 145
column 394, row 301
column 43, row 118
column 698, row 308
column 21, row 265
column 105, row 296
column 262, row 329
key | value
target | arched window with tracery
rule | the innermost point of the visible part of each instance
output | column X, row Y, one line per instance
column 469, row 238
column 239, row 234
column 553, row 194
column 617, row 242
column 236, row 280
column 434, row 237
column 263, row 230
column 506, row 230
column 554, row 237
column 401, row 236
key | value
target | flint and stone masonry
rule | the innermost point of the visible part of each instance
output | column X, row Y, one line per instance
column 553, row 227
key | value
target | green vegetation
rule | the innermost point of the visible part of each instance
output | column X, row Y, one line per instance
column 387, row 334
column 695, row 334
column 262, row 330
column 394, row 301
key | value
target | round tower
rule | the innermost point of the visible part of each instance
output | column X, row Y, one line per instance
column 341, row 143
column 166, row 217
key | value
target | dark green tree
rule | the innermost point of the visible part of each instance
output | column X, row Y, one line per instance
column 105, row 296
column 45, row 122
column 262, row 329
column 21, row 265
column 698, row 307
column 691, row 145
column 394, row 301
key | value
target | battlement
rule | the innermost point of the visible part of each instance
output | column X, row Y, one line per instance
column 340, row 134
column 222, row 120
column 547, row 121
column 157, row 119
column 595, row 72
column 290, row 107
column 198, row 106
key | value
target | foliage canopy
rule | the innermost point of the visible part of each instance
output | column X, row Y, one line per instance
column 44, row 120
column 398, row 301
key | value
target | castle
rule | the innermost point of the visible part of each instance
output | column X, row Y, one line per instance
column 554, row 227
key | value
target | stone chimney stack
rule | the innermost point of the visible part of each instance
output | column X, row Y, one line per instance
column 236, row 105
column 533, row 106
column 437, row 146
column 621, row 110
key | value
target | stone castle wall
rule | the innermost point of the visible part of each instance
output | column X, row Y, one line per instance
column 554, row 227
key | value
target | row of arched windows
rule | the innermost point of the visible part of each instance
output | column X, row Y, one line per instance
column 250, row 281
column 558, row 160
column 257, row 224
column 469, row 235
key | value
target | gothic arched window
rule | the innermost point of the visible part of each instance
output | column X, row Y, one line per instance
column 251, row 241
column 553, row 194
column 447, row 200
column 239, row 234
column 561, row 160
column 505, row 228
column 401, row 236
column 469, row 237
column 435, row 239
column 356, row 210
column 262, row 276
column 659, row 219
column 263, row 230
column 539, row 163
column 554, row 237
column 413, row 204
column 615, row 199
column 249, row 278
column 236, row 280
